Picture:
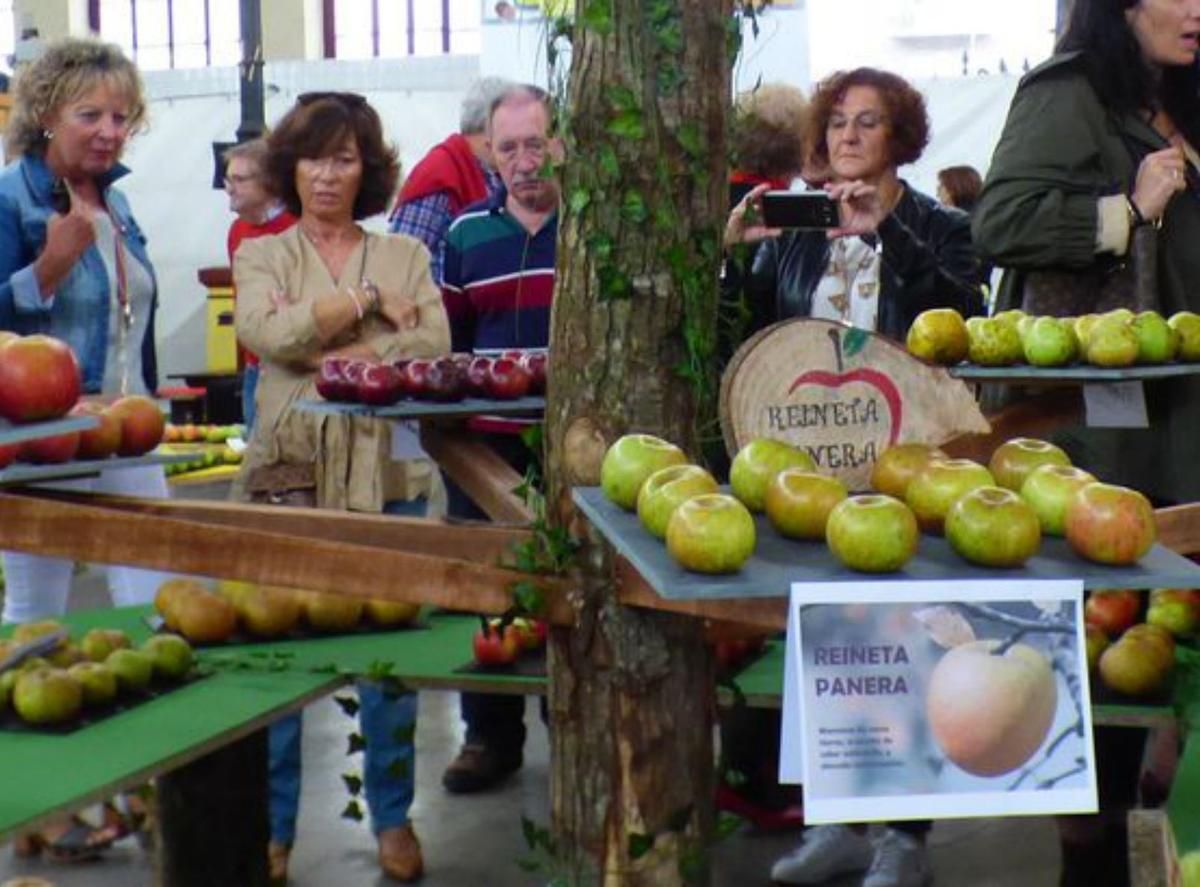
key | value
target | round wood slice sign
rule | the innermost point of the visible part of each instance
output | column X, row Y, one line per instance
column 842, row 394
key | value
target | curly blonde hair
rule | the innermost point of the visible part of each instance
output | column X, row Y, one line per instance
column 768, row 131
column 68, row 69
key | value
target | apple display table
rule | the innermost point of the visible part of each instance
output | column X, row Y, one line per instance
column 11, row 433
column 1075, row 375
column 777, row 562
column 416, row 409
column 22, row 473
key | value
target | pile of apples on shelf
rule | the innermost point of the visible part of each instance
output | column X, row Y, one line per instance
column 993, row 515
column 452, row 377
column 202, row 433
column 205, row 616
column 1136, row 657
column 1117, row 338
column 101, row 669
column 40, row 381
column 499, row 642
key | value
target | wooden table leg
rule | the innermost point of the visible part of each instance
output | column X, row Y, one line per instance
column 212, row 818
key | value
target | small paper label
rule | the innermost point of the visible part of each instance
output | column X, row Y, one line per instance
column 1116, row 405
column 406, row 442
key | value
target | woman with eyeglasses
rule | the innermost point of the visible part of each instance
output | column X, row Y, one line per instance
column 896, row 251
column 327, row 287
column 74, row 265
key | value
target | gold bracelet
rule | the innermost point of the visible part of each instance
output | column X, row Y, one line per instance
column 371, row 291
column 358, row 308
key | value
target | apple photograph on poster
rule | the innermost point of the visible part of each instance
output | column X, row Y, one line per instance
column 920, row 701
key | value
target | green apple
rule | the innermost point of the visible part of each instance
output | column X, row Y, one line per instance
column 798, row 502
column 1097, row 643
column 1112, row 343
column 1121, row 315
column 98, row 682
column 711, row 533
column 939, row 485
column 1108, row 524
column 1012, row 317
column 8, row 680
column 1024, row 325
column 938, row 335
column 389, row 614
column 1175, row 610
column 1135, row 666
column 896, row 467
column 170, row 655
column 666, row 490
column 133, row 669
column 630, row 460
column 993, row 342
column 1189, row 868
column 759, row 461
column 1187, row 325
column 1157, row 342
column 1049, row 489
column 993, row 527
column 47, row 696
column 1014, row 460
column 1050, row 342
column 1083, row 329
column 28, row 631
column 99, row 642
column 872, row 533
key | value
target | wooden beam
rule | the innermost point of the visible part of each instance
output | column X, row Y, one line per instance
column 1179, row 528
column 60, row 528
column 479, row 471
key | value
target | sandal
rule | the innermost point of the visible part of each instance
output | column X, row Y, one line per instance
column 79, row 842
column 136, row 819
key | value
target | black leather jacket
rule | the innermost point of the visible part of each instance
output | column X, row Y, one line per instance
column 928, row 262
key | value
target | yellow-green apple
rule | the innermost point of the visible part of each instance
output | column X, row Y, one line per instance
column 1112, row 610
column 1024, row 325
column 1012, row 317
column 1155, row 637
column 872, row 533
column 1109, row 524
column 99, row 642
column 96, row 680
column 993, row 342
column 798, row 502
column 630, row 460
column 267, row 611
column 667, row 489
column 1097, row 642
column 1174, row 610
column 990, row 711
column 1189, row 869
column 1014, row 460
column 331, row 612
column 388, row 613
column 1187, row 325
column 170, row 655
column 47, row 696
column 939, row 485
column 1112, row 343
column 1157, row 342
column 759, row 461
column 938, row 335
column 27, row 631
column 1135, row 667
column 1049, row 489
column 993, row 527
column 897, row 466
column 1083, row 329
column 1050, row 342
column 711, row 533
column 133, row 668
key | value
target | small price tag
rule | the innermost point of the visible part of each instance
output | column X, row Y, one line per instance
column 1116, row 405
column 406, row 442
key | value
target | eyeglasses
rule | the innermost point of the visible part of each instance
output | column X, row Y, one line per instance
column 535, row 148
column 347, row 99
column 867, row 120
column 240, row 180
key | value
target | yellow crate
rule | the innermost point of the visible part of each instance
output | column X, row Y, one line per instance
column 221, row 336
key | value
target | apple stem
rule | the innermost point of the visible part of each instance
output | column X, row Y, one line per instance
column 1059, row 626
column 1008, row 642
column 835, row 336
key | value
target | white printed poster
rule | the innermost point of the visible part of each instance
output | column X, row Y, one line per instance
column 920, row 700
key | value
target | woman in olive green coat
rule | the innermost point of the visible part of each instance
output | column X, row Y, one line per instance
column 1100, row 140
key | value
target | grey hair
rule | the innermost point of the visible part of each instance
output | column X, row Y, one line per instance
column 477, row 103
column 519, row 93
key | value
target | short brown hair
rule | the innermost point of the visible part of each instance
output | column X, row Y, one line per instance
column 963, row 184
column 904, row 105
column 768, row 131
column 316, row 126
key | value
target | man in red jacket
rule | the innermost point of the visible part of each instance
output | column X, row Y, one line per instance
column 259, row 212
column 454, row 174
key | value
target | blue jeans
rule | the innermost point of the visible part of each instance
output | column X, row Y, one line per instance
column 249, row 388
column 388, row 721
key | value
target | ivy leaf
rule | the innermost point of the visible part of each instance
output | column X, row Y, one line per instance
column 639, row 845
column 377, row 670
column 578, row 201
column 622, row 98
column 529, row 864
column 405, row 733
column 529, row 830
column 627, row 125
column 353, row 783
column 534, row 437
column 734, row 778
column 670, row 37
column 633, row 207
column 606, row 159
column 614, row 284
column 348, row 704
column 597, row 15
column 727, row 824
column 353, row 811
column 600, row 245
column 355, row 743
column 691, row 139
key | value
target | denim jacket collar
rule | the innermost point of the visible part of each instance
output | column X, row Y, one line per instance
column 41, row 178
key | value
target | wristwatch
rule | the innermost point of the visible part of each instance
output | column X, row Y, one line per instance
column 371, row 291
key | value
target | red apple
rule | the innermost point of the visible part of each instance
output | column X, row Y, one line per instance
column 1014, row 460
column 1112, row 611
column 477, row 376
column 939, row 485
column 51, row 450
column 1049, row 489
column 9, row 454
column 531, row 631
column 1108, row 524
column 507, row 379
column 39, row 379
column 495, row 647
column 413, row 374
column 445, row 381
column 331, row 381
column 798, row 502
column 517, row 354
column 102, row 441
column 535, row 362
column 380, row 385
column 872, row 533
column 897, row 466
column 993, row 527
column 141, row 424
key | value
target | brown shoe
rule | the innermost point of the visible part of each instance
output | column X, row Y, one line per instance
column 400, row 854
column 478, row 767
column 277, row 863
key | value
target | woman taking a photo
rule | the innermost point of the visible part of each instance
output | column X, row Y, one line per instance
column 327, row 287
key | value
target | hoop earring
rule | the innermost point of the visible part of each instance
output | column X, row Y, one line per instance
column 47, row 134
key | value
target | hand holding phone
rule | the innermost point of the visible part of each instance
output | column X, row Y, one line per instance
column 68, row 236
column 807, row 210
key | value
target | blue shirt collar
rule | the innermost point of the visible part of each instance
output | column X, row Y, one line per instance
column 41, row 179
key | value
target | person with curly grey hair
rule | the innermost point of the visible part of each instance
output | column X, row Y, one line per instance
column 454, row 174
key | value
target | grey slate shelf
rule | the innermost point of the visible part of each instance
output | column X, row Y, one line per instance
column 416, row 409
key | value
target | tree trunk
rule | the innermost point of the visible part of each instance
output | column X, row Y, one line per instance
column 633, row 333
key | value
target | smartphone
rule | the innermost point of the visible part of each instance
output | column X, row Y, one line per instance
column 795, row 209
column 60, row 197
